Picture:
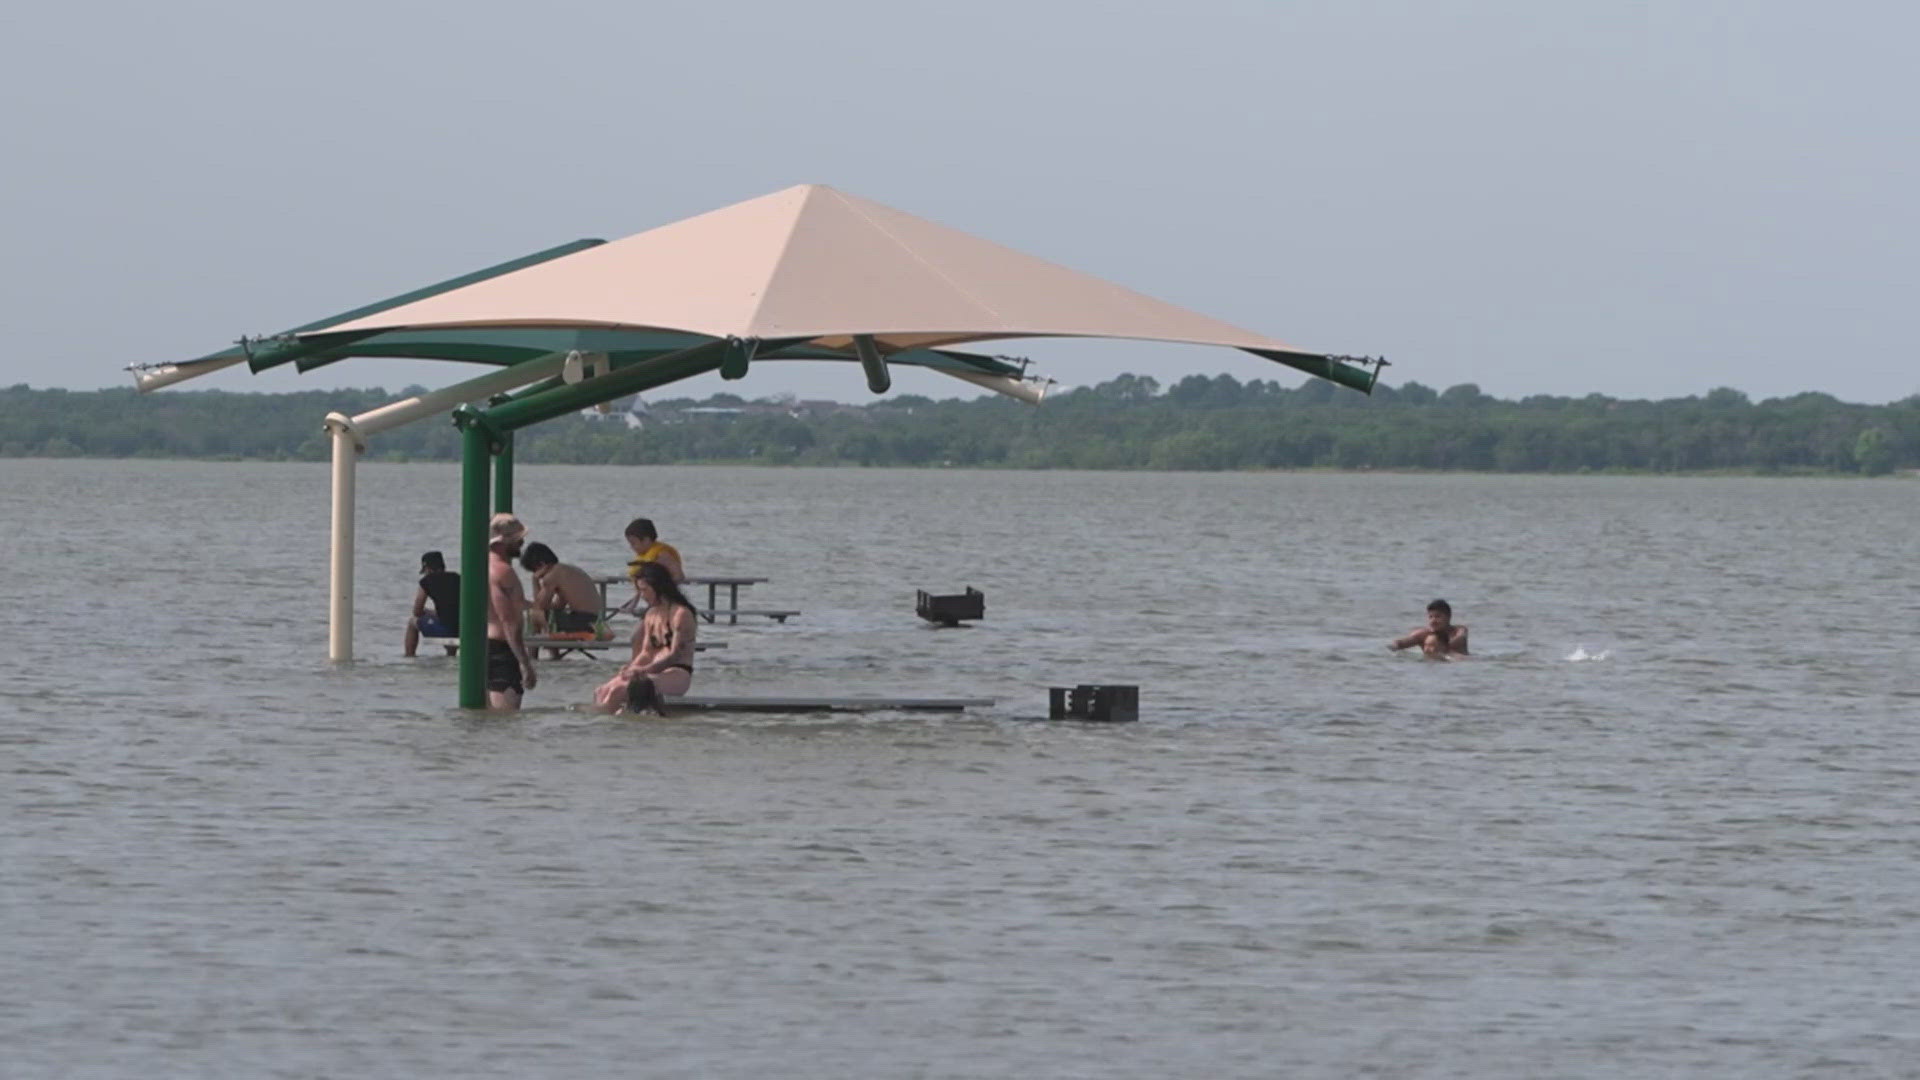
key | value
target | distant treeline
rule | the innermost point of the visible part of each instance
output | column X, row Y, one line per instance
column 1201, row 422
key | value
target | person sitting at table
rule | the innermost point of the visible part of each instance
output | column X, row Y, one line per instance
column 648, row 548
column 565, row 599
column 439, row 587
column 662, row 664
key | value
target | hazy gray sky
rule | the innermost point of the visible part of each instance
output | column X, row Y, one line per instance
column 1638, row 199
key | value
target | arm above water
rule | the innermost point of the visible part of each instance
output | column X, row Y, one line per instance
column 652, row 658
column 685, row 626
column 645, row 654
column 543, row 594
column 1410, row 640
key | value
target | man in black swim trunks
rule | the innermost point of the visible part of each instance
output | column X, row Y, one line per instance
column 439, row 587
column 509, row 666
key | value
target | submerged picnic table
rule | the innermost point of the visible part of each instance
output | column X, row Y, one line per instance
column 713, row 610
column 587, row 648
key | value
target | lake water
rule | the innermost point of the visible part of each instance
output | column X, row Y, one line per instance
column 1663, row 824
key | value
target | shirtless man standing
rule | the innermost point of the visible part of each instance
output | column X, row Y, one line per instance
column 1439, row 638
column 507, row 659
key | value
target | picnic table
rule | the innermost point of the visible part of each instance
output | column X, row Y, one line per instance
column 712, row 612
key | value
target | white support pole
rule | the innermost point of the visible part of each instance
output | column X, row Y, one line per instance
column 148, row 379
column 350, row 438
column 1027, row 390
column 447, row 398
column 340, row 583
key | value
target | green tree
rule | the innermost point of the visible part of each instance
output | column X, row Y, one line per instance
column 1872, row 454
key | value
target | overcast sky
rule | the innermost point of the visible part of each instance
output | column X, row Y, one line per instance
column 1635, row 199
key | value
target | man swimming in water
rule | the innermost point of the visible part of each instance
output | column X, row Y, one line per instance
column 1439, row 638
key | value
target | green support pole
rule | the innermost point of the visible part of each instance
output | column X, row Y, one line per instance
column 482, row 431
column 875, row 365
column 645, row 375
column 475, row 449
column 503, row 474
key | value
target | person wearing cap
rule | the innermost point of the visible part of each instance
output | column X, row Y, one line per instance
column 439, row 587
column 509, row 666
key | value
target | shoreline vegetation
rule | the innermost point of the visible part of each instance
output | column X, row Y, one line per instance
column 1200, row 423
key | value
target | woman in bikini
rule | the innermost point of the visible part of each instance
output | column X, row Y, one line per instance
column 662, row 664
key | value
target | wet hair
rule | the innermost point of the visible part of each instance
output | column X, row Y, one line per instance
column 642, row 529
column 1441, row 605
column 433, row 560
column 663, row 584
column 536, row 556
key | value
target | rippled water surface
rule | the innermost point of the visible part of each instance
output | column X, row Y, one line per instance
column 1664, row 824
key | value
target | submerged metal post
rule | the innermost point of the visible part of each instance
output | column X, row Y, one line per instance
column 475, row 447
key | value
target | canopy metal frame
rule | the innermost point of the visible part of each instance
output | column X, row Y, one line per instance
column 537, row 317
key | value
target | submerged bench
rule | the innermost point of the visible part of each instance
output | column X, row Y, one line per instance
column 716, row 703
column 567, row 645
column 733, row 614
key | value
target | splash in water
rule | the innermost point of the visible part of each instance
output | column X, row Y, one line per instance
column 1580, row 654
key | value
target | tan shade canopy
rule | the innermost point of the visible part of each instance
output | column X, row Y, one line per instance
column 814, row 263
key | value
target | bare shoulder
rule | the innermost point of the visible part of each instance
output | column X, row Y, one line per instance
column 502, row 576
